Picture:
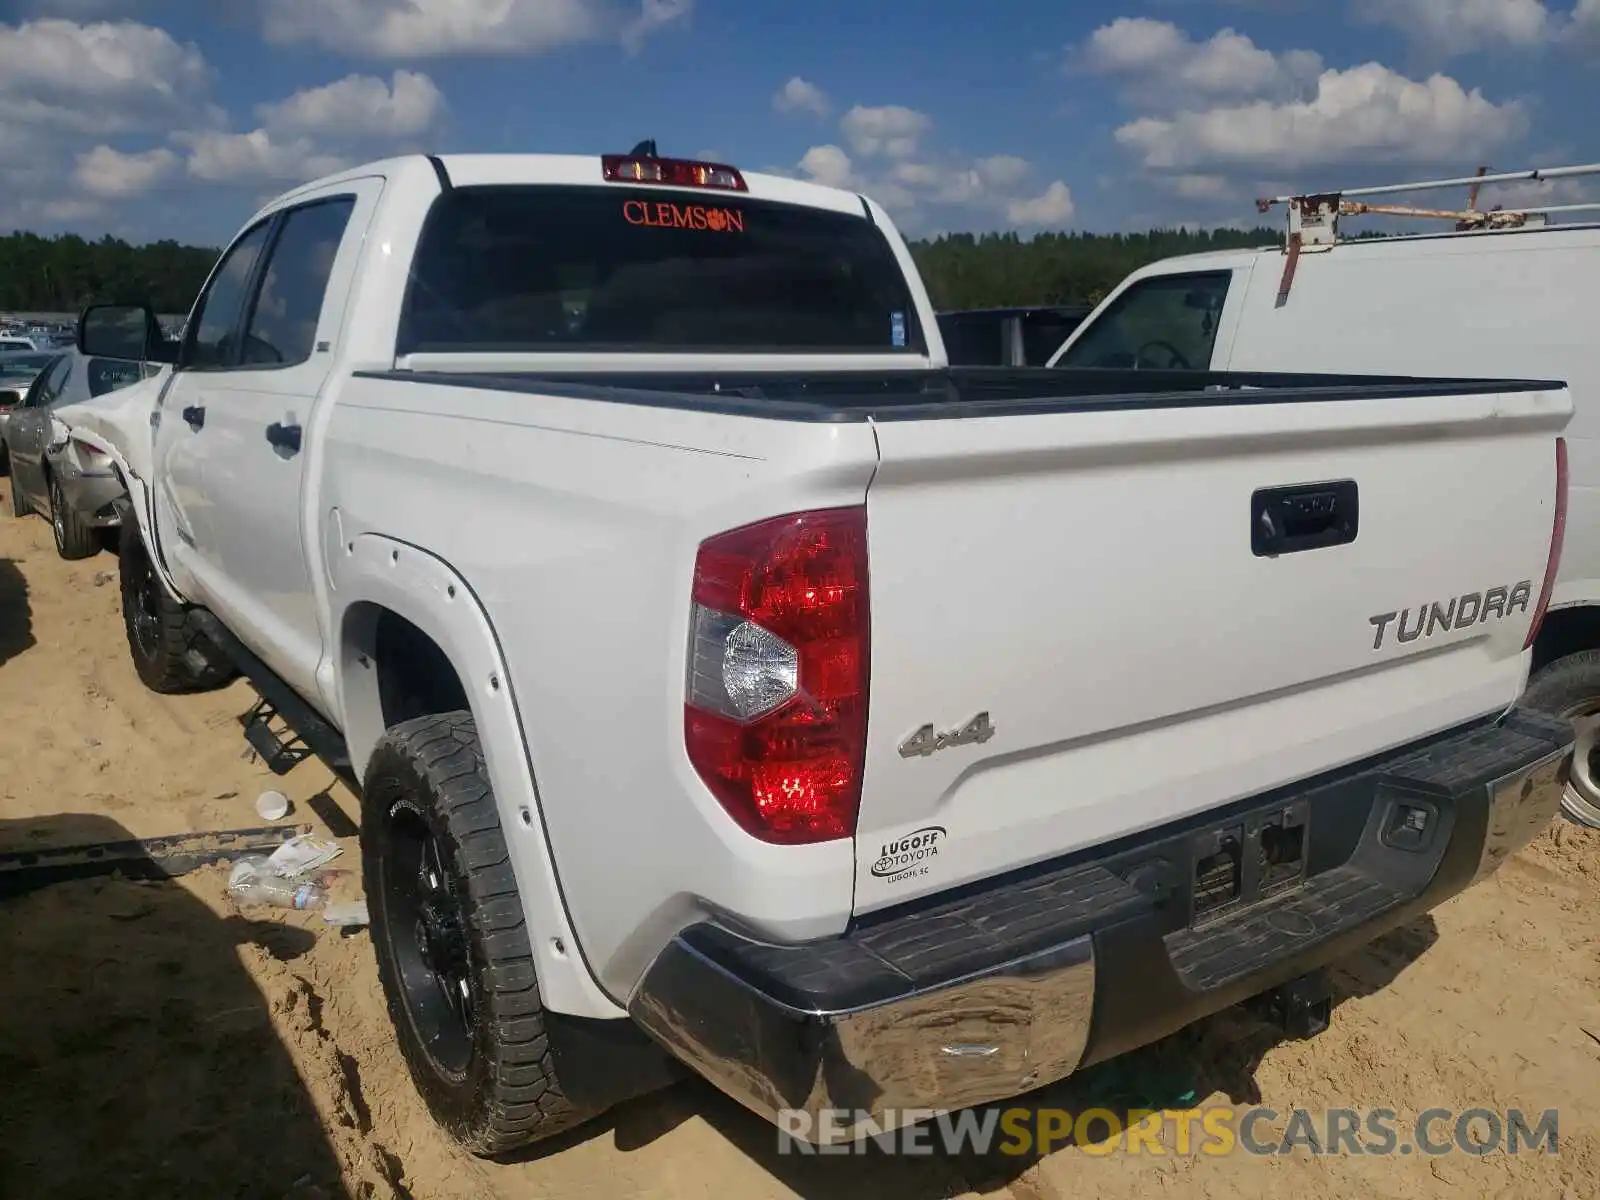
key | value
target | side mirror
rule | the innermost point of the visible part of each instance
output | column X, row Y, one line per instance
column 126, row 331
column 11, row 398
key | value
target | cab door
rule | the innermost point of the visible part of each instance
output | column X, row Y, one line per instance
column 187, row 541
column 244, row 431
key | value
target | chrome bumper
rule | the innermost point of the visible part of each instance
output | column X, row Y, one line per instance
column 982, row 998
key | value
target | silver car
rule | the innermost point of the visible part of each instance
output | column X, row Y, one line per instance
column 75, row 484
column 17, row 372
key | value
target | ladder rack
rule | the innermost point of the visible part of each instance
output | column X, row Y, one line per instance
column 1314, row 217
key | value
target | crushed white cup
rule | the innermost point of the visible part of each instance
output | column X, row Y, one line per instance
column 272, row 806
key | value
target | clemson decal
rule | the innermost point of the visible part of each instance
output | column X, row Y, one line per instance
column 662, row 214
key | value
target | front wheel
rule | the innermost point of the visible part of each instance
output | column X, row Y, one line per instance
column 453, row 948
column 169, row 650
column 1570, row 688
column 75, row 537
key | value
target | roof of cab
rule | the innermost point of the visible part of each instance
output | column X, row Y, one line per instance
column 490, row 169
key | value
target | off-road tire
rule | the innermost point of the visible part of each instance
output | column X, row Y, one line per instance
column 431, row 769
column 176, row 656
column 1570, row 687
column 75, row 537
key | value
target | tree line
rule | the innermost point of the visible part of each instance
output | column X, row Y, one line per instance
column 962, row 270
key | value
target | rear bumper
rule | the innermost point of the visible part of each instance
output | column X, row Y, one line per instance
column 972, row 998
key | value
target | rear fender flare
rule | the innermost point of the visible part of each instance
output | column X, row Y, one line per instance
column 372, row 573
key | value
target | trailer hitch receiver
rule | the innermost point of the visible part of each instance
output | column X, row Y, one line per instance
column 1301, row 1008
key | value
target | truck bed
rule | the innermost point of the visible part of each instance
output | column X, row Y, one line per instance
column 955, row 392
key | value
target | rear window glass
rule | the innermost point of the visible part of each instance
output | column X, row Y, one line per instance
column 23, row 366
column 614, row 268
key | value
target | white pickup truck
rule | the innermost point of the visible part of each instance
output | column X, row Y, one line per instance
column 725, row 675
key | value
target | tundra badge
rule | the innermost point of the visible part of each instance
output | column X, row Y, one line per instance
column 1470, row 609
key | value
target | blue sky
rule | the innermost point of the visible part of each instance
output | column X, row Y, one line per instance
column 171, row 118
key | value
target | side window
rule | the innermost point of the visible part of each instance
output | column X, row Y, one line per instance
column 283, row 322
column 50, row 383
column 1166, row 322
column 214, row 326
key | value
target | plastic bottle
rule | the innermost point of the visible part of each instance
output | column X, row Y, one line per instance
column 252, row 881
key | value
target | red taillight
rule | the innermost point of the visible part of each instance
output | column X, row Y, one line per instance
column 775, row 711
column 671, row 172
column 1558, row 533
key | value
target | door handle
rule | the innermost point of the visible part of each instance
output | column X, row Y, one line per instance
column 195, row 415
column 284, row 437
column 1306, row 516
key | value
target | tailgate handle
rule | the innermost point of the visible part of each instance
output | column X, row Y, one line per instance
column 1303, row 516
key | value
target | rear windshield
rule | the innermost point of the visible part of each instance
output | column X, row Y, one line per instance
column 23, row 366
column 630, row 269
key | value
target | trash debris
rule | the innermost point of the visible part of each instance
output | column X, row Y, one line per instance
column 296, row 875
column 303, row 854
column 272, row 806
column 101, row 578
column 347, row 913
column 253, row 881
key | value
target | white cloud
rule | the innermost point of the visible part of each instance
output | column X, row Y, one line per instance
column 106, row 172
column 1582, row 30
column 319, row 130
column 917, row 188
column 1202, row 187
column 801, row 96
column 1053, row 207
column 653, row 16
column 358, row 106
column 1446, row 28
column 104, row 77
column 402, row 29
column 1367, row 114
column 1159, row 65
column 828, row 165
column 891, row 131
column 257, row 157
column 1003, row 170
column 69, row 88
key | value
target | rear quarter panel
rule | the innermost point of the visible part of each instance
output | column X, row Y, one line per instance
column 575, row 523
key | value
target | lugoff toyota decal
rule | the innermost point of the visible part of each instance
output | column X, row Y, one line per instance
column 907, row 857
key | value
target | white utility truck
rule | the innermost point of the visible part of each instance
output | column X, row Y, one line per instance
column 730, row 682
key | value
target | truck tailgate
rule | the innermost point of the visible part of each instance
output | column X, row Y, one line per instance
column 1075, row 635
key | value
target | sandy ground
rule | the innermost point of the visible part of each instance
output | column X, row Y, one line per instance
column 156, row 1042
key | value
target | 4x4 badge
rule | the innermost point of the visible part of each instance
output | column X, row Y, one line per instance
column 926, row 740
